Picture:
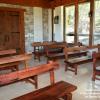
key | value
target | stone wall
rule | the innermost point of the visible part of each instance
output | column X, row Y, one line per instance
column 38, row 24
column 29, row 28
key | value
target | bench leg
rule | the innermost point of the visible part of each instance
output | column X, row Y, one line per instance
column 93, row 77
column 52, row 77
column 14, row 68
column 66, row 67
column 75, row 66
column 37, row 56
column 72, row 68
column 34, row 81
column 68, row 96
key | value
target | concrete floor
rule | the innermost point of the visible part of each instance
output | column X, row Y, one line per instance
column 87, row 89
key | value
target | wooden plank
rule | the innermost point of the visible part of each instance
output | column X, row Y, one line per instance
column 36, row 3
column 41, row 3
column 7, row 52
column 42, row 43
column 10, row 9
column 15, row 58
column 76, row 48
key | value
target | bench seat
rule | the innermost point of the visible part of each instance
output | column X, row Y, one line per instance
column 58, row 90
column 72, row 64
column 55, row 56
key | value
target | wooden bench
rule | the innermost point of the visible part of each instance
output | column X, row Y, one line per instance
column 39, row 48
column 96, row 66
column 43, row 48
column 58, row 90
column 59, row 54
column 12, row 62
column 54, row 52
column 8, row 53
column 29, row 74
column 71, row 64
column 62, row 55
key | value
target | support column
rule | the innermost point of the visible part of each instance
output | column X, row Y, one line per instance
column 76, row 23
column 52, row 24
column 64, row 24
column 91, row 15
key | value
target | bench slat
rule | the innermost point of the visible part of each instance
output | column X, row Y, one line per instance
column 7, row 52
column 57, row 90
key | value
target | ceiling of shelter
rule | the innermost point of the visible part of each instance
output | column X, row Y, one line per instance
column 40, row 3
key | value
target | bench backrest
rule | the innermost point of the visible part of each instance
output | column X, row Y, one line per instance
column 26, row 73
column 7, row 52
column 54, row 48
column 67, row 50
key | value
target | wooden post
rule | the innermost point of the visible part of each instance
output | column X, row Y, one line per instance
column 52, row 24
column 76, row 23
column 91, row 15
column 64, row 24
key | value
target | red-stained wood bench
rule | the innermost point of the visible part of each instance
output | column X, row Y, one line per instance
column 29, row 74
column 71, row 64
column 58, row 90
column 96, row 66
column 8, row 53
column 42, row 48
column 56, row 56
column 12, row 62
column 55, row 52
